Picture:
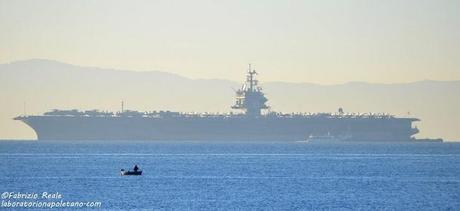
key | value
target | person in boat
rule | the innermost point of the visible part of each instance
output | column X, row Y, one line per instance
column 136, row 168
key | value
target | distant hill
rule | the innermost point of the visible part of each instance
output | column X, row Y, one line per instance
column 45, row 84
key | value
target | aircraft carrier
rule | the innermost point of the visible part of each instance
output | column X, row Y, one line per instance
column 254, row 123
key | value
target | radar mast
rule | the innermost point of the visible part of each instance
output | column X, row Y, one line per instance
column 250, row 97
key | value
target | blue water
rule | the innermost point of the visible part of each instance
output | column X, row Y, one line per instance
column 210, row 176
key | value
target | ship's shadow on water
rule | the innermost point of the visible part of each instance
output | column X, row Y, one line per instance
column 238, row 175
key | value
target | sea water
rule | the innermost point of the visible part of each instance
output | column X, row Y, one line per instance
column 237, row 175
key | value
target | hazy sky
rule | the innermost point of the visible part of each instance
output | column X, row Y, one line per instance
column 300, row 41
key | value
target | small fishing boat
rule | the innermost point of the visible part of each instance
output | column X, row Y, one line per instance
column 126, row 173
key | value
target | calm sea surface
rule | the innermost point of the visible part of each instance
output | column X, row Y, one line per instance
column 214, row 175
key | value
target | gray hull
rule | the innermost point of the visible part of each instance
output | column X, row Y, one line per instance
column 262, row 128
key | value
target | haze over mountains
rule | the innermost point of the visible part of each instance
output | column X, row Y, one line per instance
column 44, row 85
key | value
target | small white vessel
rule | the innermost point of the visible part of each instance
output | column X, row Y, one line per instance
column 327, row 138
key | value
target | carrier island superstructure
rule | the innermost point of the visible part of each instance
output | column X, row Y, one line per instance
column 254, row 123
